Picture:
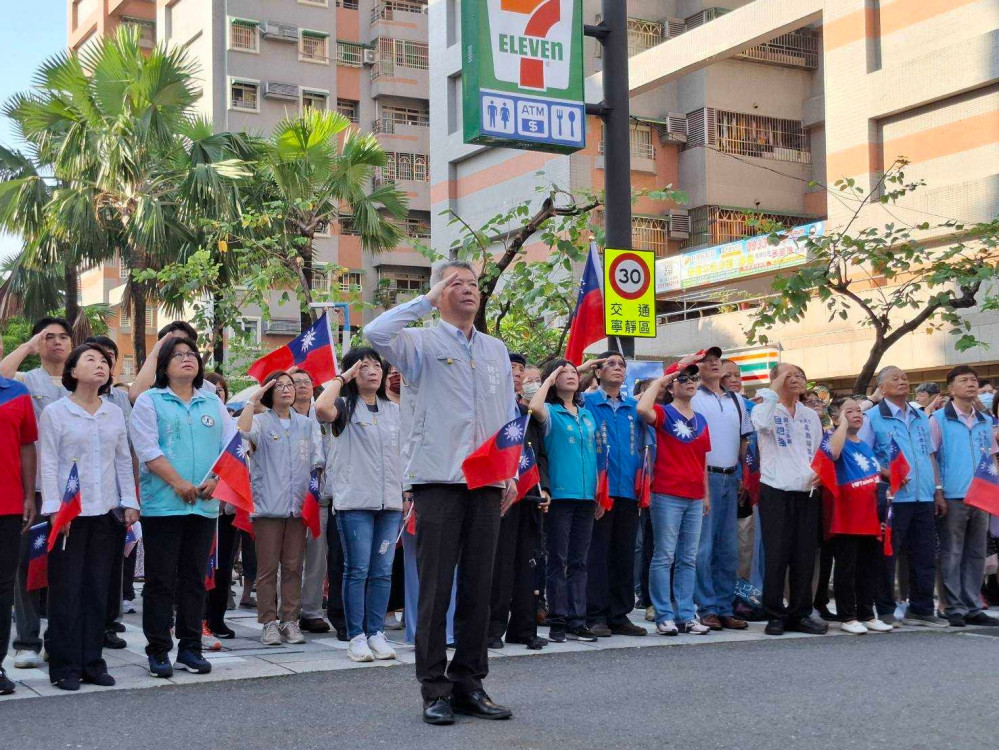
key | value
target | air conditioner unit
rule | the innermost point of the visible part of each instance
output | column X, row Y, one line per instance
column 278, row 90
column 679, row 224
column 369, row 57
column 676, row 127
column 673, row 27
column 279, row 32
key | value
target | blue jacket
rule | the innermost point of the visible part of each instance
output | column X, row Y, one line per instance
column 621, row 429
column 960, row 449
column 916, row 445
column 570, row 443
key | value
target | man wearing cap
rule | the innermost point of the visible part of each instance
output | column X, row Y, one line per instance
column 512, row 604
column 718, row 549
column 610, row 588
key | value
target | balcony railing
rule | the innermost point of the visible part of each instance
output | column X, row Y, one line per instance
column 388, row 9
column 798, row 49
column 639, row 149
column 388, row 124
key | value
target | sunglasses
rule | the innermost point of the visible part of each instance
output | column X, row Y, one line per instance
column 689, row 379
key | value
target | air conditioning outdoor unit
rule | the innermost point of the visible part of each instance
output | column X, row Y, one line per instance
column 679, row 224
column 673, row 27
column 278, row 90
column 369, row 57
column 676, row 127
column 279, row 32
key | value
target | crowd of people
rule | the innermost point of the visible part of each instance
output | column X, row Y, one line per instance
column 682, row 494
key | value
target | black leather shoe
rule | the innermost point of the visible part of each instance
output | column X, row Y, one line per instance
column 438, row 711
column 118, row 627
column 956, row 621
column 102, row 680
column 480, row 705
column 536, row 643
column 6, row 684
column 495, row 643
column 222, row 631
column 113, row 640
column 314, row 625
column 807, row 625
column 627, row 628
column 981, row 619
column 774, row 627
column 600, row 630
column 67, row 683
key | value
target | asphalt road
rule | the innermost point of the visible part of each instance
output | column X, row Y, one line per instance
column 904, row 690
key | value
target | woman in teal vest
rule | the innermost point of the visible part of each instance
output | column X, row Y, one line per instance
column 177, row 430
column 571, row 447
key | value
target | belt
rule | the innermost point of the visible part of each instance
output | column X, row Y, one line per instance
column 720, row 470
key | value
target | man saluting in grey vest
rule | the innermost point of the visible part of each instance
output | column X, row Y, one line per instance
column 462, row 390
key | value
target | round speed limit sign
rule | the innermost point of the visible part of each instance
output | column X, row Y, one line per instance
column 629, row 276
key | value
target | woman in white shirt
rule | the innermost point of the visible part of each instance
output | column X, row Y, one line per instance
column 90, row 432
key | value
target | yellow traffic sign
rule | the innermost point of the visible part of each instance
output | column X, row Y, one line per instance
column 629, row 293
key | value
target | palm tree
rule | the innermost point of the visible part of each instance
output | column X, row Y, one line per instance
column 119, row 126
column 316, row 171
column 30, row 290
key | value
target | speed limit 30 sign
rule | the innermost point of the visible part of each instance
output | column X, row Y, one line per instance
column 629, row 293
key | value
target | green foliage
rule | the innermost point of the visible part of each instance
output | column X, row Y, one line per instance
column 897, row 283
column 14, row 332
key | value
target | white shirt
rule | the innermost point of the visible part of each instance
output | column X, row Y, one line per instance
column 787, row 443
column 98, row 443
column 724, row 422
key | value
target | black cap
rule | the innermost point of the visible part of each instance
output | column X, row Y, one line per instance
column 689, row 370
column 516, row 358
column 713, row 350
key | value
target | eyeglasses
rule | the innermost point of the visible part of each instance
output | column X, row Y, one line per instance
column 284, row 386
column 177, row 356
column 689, row 379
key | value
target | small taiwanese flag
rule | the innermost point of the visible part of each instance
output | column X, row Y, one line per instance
column 70, row 507
column 243, row 522
column 311, row 351
column 132, row 537
column 213, row 563
column 825, row 467
column 751, row 471
column 310, row 508
column 234, row 475
column 497, row 459
column 411, row 521
column 898, row 467
column 984, row 490
column 643, row 480
column 604, row 499
column 587, row 326
column 528, row 474
column 38, row 557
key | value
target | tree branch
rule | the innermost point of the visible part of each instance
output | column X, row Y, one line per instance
column 966, row 300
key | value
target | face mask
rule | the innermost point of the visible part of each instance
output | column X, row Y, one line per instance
column 531, row 388
column 393, row 383
column 986, row 399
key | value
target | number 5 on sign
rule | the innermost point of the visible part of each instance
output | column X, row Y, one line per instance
column 629, row 293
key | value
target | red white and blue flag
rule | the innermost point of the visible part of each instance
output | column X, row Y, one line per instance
column 643, row 480
column 243, row 522
column 528, row 474
column 604, row 499
column 70, row 507
column 751, row 471
column 132, row 537
column 497, row 459
column 852, row 482
column 587, row 325
column 898, row 467
column 311, row 351
column 213, row 563
column 38, row 557
column 984, row 489
column 311, row 508
column 234, row 475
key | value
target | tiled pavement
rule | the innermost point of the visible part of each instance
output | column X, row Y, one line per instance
column 245, row 658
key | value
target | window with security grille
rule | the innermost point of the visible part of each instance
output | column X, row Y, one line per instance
column 314, row 100
column 766, row 137
column 244, row 96
column 314, row 47
column 404, row 53
column 640, row 140
column 402, row 166
column 244, row 36
column 349, row 54
column 127, row 368
column 346, row 222
column 716, row 225
column 649, row 233
column 417, row 227
column 391, row 116
column 350, row 281
column 349, row 109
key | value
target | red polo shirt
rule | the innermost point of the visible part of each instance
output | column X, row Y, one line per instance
column 17, row 428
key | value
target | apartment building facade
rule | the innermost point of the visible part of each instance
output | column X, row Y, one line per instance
column 758, row 107
column 260, row 62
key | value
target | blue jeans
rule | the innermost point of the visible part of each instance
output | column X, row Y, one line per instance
column 676, row 524
column 718, row 551
column 368, row 538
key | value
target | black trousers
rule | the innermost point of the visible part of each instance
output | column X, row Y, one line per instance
column 826, row 552
column 790, row 525
column 177, row 550
column 610, row 566
column 113, row 608
column 456, row 527
column 334, row 571
column 856, row 574
column 512, row 604
column 218, row 597
column 128, row 574
column 570, row 528
column 913, row 532
column 10, row 548
column 79, row 576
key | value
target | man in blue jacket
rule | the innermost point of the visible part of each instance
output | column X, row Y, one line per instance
column 610, row 590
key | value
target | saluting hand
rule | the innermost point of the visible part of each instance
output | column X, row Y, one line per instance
column 259, row 393
column 352, row 371
column 434, row 295
column 550, row 380
column 590, row 364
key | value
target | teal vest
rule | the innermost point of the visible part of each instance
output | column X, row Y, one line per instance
column 916, row 444
column 572, row 454
column 960, row 449
column 191, row 437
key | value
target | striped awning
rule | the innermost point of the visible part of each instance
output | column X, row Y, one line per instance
column 755, row 364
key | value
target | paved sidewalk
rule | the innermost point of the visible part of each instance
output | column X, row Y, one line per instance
column 244, row 658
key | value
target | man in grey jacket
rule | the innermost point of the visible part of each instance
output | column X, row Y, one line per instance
column 462, row 391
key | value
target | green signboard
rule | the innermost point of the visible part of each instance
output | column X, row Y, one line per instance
column 522, row 74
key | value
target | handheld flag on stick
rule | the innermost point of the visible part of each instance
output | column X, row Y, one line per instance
column 587, row 326
column 132, row 537
column 751, row 471
column 311, row 508
column 38, row 557
column 604, row 500
column 234, row 475
column 243, row 522
column 886, row 529
column 898, row 467
column 213, row 563
column 643, row 481
column 984, row 490
column 824, row 465
column 528, row 474
column 497, row 459
column 311, row 351
column 70, row 507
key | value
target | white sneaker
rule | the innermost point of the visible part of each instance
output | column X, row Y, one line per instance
column 290, row 632
column 358, row 649
column 380, row 647
column 853, row 628
column 694, row 628
column 667, row 628
column 272, row 634
column 27, row 659
column 127, row 607
column 876, row 626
